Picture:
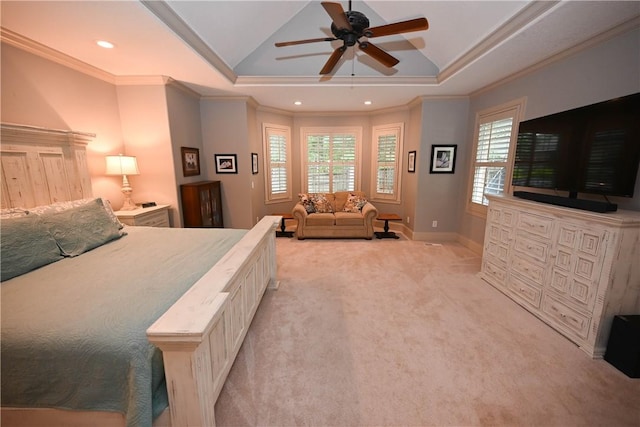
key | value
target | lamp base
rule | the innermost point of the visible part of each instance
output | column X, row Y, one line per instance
column 128, row 205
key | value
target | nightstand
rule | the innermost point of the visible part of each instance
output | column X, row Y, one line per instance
column 155, row 216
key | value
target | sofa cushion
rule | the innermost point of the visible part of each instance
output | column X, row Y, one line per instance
column 323, row 203
column 349, row 218
column 354, row 203
column 315, row 219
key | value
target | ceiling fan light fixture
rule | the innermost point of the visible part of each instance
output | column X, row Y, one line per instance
column 368, row 102
column 297, row 102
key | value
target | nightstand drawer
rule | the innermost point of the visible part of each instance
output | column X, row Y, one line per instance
column 154, row 219
column 155, row 216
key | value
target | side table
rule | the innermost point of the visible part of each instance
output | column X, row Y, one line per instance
column 154, row 216
column 386, row 234
column 283, row 226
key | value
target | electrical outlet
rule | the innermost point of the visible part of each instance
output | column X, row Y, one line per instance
column 434, row 224
column 408, row 220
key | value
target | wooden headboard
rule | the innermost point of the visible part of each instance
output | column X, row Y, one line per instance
column 42, row 166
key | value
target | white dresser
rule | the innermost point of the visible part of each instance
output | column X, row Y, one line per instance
column 573, row 269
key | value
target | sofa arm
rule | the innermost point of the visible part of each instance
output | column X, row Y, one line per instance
column 300, row 215
column 299, row 212
column 369, row 212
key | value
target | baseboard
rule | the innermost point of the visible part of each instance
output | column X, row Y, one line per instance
column 474, row 246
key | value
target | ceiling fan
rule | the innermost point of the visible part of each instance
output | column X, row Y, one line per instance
column 350, row 26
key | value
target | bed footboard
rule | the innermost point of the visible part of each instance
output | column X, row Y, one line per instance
column 201, row 334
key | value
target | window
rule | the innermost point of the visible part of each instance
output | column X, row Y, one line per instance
column 387, row 162
column 494, row 147
column 277, row 149
column 330, row 159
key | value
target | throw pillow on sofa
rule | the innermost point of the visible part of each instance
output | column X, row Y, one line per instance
column 321, row 204
column 354, row 203
column 307, row 203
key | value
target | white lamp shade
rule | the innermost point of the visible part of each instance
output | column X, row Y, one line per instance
column 122, row 165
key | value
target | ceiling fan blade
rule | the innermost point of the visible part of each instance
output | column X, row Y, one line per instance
column 291, row 43
column 333, row 60
column 378, row 54
column 397, row 28
column 336, row 12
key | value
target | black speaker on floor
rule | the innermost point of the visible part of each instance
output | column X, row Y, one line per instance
column 623, row 348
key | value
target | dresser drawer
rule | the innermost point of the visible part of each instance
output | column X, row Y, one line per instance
column 528, row 269
column 535, row 224
column 566, row 318
column 525, row 292
column 532, row 248
column 495, row 275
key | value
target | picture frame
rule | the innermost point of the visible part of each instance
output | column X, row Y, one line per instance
column 226, row 163
column 190, row 161
column 254, row 163
column 443, row 158
column 411, row 165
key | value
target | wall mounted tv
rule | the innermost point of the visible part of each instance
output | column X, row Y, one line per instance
column 592, row 150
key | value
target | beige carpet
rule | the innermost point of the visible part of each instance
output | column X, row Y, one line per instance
column 399, row 333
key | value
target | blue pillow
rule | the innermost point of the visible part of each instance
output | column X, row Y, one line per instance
column 26, row 244
column 82, row 228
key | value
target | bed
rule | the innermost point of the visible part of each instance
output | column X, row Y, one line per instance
column 157, row 333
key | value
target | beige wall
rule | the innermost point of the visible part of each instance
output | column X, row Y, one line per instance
column 153, row 120
column 602, row 72
column 38, row 92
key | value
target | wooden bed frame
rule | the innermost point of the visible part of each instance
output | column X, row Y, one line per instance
column 200, row 335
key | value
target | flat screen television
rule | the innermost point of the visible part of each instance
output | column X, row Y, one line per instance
column 592, row 150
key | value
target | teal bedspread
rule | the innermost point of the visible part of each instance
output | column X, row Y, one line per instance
column 74, row 332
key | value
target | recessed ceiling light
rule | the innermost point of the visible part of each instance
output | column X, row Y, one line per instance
column 367, row 102
column 298, row 103
column 105, row 44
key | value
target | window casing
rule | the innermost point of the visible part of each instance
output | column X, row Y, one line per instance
column 330, row 159
column 277, row 161
column 386, row 158
column 496, row 132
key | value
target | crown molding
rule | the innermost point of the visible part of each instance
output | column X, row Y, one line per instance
column 290, row 81
column 527, row 15
column 630, row 25
column 164, row 12
column 31, row 46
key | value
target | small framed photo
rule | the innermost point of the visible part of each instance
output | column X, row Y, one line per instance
column 226, row 163
column 443, row 159
column 254, row 163
column 190, row 161
column 412, row 161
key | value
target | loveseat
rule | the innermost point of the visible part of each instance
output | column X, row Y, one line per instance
column 344, row 214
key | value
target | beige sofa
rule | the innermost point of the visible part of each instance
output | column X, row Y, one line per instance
column 344, row 214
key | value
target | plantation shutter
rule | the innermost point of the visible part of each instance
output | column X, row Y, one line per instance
column 492, row 154
column 277, row 149
column 387, row 164
column 278, row 163
column 331, row 162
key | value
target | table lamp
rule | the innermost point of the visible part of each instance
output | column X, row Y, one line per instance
column 124, row 165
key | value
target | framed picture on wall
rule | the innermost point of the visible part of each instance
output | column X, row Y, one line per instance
column 226, row 163
column 443, row 159
column 190, row 161
column 254, row 163
column 412, row 161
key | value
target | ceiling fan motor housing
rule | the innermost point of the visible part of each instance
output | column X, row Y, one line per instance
column 359, row 23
